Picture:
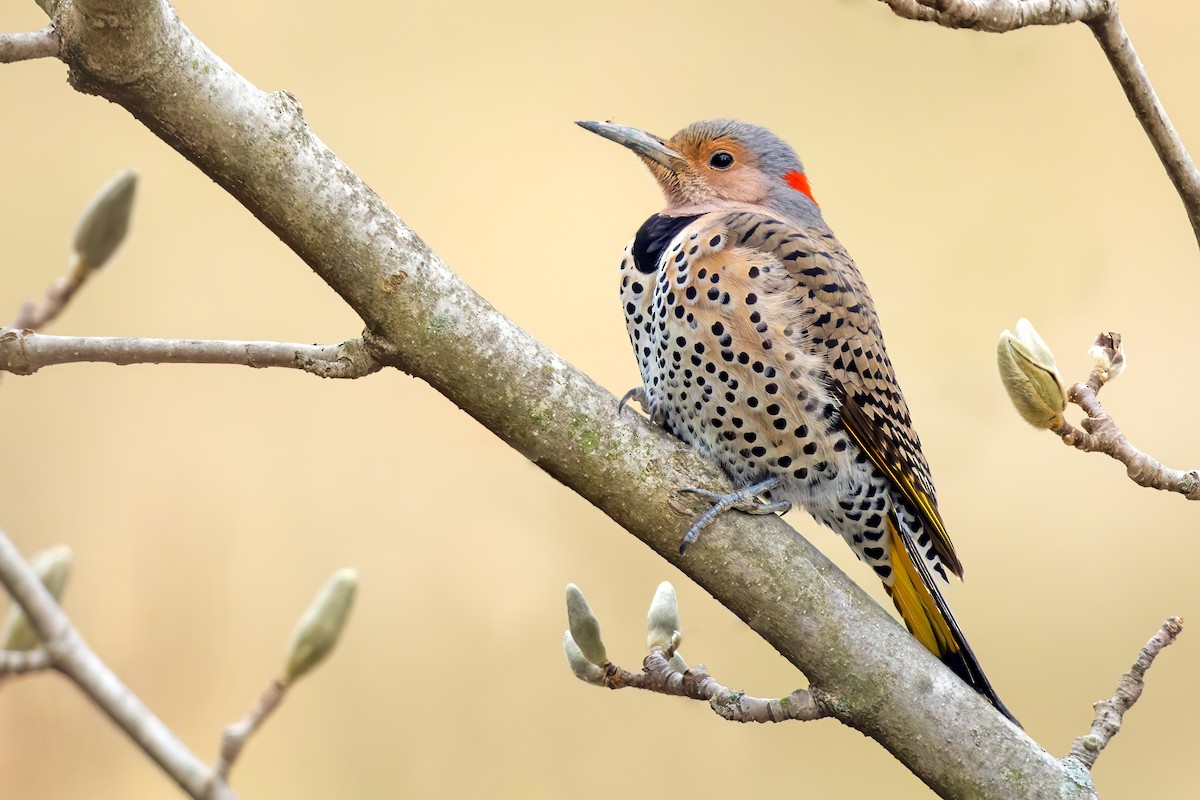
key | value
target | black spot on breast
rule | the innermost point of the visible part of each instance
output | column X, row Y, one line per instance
column 653, row 237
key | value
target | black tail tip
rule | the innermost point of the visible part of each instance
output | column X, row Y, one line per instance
column 966, row 668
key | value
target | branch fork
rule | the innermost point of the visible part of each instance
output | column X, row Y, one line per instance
column 1101, row 434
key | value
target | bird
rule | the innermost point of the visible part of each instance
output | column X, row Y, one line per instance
column 759, row 345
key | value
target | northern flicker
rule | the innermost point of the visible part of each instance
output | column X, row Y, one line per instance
column 759, row 345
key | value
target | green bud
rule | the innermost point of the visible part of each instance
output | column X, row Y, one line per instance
column 52, row 567
column 103, row 224
column 584, row 669
column 319, row 628
column 1031, row 377
column 585, row 628
column 662, row 621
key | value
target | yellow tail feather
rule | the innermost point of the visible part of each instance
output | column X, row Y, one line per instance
column 929, row 619
column 914, row 601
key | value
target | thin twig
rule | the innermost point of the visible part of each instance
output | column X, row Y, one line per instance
column 235, row 735
column 1100, row 433
column 658, row 676
column 1103, row 17
column 19, row 662
column 101, row 228
column 1115, row 43
column 26, row 46
column 71, row 656
column 1109, row 713
column 999, row 16
column 24, row 352
column 31, row 316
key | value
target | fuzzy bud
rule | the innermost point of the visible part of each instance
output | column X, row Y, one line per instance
column 584, row 627
column 103, row 224
column 584, row 669
column 52, row 567
column 1031, row 377
column 662, row 621
column 318, row 630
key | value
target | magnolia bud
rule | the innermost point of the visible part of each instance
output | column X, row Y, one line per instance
column 585, row 628
column 584, row 669
column 662, row 621
column 103, row 224
column 319, row 628
column 1031, row 377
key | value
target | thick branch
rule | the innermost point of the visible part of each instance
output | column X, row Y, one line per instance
column 25, row 46
column 24, row 352
column 1110, row 713
column 71, row 656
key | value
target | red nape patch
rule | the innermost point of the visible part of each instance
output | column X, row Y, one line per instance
column 799, row 182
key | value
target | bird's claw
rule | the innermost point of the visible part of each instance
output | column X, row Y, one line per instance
column 638, row 394
column 744, row 500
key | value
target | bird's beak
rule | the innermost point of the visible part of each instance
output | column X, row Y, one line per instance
column 644, row 144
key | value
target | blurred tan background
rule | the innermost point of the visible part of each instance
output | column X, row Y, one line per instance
column 975, row 178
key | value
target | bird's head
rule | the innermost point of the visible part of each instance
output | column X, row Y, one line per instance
column 721, row 163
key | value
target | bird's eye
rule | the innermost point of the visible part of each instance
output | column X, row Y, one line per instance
column 720, row 160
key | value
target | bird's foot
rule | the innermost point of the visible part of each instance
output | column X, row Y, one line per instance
column 638, row 394
column 744, row 500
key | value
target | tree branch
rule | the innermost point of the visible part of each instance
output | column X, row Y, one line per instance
column 26, row 46
column 24, row 352
column 1110, row 713
column 69, row 654
column 1103, row 17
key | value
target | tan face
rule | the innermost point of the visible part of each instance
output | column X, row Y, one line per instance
column 720, row 168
